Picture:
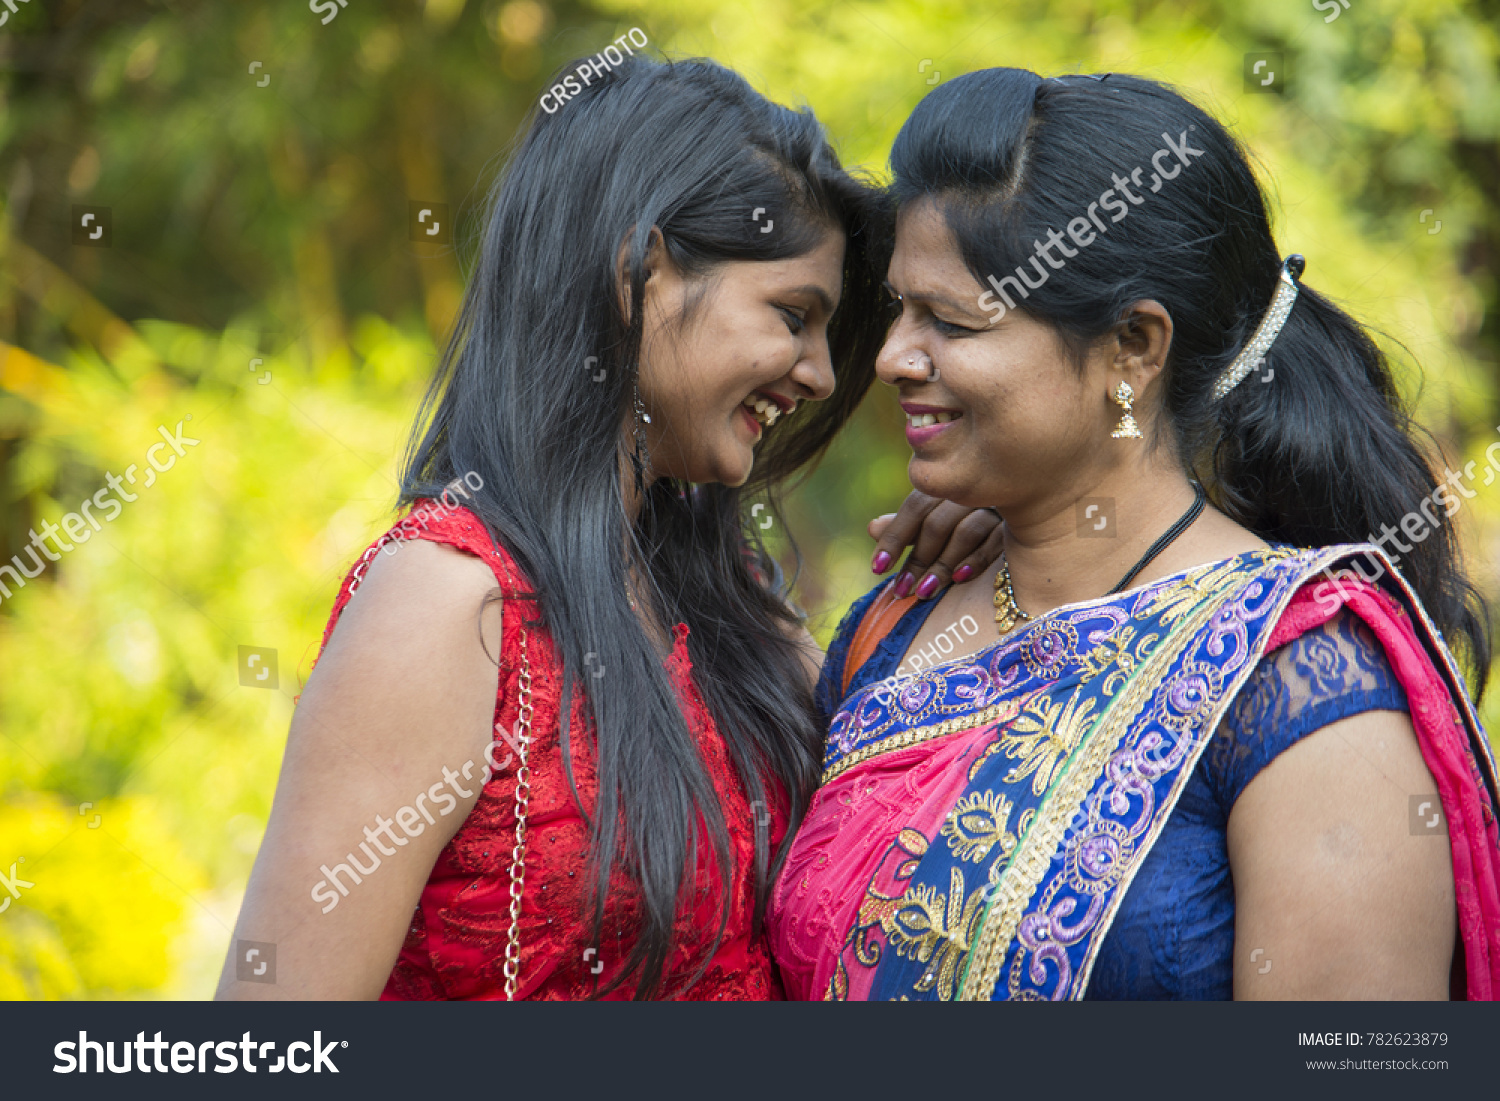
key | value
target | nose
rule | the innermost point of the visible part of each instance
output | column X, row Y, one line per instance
column 902, row 359
column 814, row 372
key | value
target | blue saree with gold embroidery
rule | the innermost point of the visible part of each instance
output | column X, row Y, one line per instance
column 981, row 826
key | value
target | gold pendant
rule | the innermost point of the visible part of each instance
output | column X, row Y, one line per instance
column 1007, row 614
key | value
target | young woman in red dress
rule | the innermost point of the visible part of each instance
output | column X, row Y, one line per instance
column 676, row 306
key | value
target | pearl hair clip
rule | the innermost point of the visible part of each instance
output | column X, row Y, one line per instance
column 1270, row 325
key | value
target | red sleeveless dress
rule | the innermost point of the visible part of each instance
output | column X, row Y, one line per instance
column 455, row 946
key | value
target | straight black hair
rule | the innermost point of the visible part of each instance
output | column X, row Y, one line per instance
column 690, row 149
column 1322, row 453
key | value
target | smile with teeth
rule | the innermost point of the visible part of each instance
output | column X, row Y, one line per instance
column 925, row 420
column 766, row 411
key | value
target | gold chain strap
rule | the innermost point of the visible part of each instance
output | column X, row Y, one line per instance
column 512, row 966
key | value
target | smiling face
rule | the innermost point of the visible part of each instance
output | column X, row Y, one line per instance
column 1005, row 419
column 752, row 349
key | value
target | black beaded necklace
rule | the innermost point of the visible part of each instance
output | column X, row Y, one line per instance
column 1008, row 613
column 1184, row 522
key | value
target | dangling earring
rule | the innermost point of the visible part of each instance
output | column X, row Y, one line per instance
column 1125, row 398
column 640, row 458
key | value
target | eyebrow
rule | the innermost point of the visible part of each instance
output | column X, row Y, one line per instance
column 817, row 292
column 937, row 299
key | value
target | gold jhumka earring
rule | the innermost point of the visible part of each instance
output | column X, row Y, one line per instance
column 1124, row 397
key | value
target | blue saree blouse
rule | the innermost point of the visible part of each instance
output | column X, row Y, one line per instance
column 1174, row 935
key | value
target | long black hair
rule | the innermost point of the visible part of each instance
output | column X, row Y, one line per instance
column 1325, row 452
column 531, row 394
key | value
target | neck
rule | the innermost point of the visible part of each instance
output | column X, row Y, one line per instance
column 1054, row 556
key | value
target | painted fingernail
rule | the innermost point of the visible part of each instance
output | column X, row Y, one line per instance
column 903, row 583
column 881, row 563
column 928, row 586
column 963, row 573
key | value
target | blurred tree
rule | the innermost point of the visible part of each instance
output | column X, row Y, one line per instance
column 256, row 162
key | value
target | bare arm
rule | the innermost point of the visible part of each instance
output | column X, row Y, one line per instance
column 403, row 691
column 1335, row 896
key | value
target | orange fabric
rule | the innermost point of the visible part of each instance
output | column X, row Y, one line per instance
column 884, row 612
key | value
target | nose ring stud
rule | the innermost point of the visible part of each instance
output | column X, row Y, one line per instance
column 933, row 374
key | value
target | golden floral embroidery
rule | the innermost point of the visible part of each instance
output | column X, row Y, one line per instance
column 914, row 843
column 936, row 929
column 1180, row 598
column 998, row 713
column 976, row 824
column 1114, row 654
column 1116, row 658
column 1021, row 895
column 838, row 986
column 876, row 910
column 953, row 938
column 1044, row 735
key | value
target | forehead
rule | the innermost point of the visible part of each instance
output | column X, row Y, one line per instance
column 926, row 249
column 819, row 270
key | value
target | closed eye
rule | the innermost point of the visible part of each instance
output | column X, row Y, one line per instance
column 794, row 320
column 947, row 328
column 895, row 305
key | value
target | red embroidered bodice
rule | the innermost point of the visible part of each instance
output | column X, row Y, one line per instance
column 455, row 946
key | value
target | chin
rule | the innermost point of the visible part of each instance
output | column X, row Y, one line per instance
column 940, row 480
column 732, row 472
column 936, row 479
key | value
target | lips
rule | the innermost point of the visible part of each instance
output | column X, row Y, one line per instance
column 925, row 422
column 766, row 407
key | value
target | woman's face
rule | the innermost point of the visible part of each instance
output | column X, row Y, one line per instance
column 1023, row 426
column 758, row 337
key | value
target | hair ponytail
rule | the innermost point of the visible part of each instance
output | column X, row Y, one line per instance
column 1315, row 447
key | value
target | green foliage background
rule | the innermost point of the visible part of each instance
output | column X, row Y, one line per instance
column 269, row 221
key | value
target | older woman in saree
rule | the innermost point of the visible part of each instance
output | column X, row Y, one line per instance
column 1198, row 750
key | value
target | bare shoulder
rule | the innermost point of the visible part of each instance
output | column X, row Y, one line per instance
column 421, row 582
column 414, row 657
